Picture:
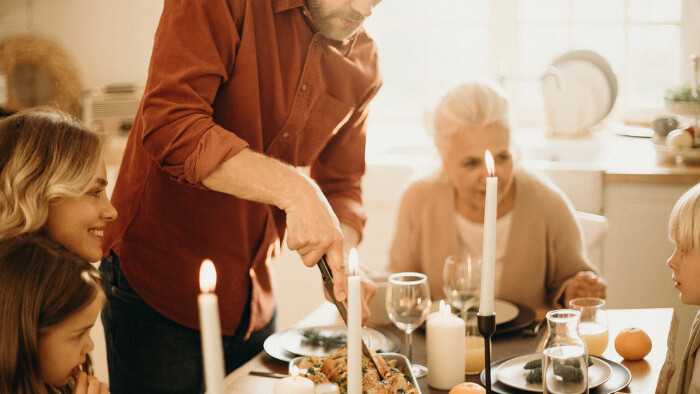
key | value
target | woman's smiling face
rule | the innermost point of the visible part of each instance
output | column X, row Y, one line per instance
column 78, row 223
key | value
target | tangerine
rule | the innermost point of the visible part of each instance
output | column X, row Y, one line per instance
column 632, row 344
column 467, row 388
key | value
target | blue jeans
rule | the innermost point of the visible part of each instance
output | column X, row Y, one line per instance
column 148, row 353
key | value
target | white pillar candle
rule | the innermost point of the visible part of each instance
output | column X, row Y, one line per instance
column 488, row 254
column 210, row 327
column 294, row 384
column 354, row 327
column 445, row 345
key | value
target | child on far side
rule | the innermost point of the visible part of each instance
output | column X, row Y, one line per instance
column 49, row 301
column 684, row 231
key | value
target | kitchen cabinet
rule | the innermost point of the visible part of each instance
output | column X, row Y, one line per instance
column 636, row 250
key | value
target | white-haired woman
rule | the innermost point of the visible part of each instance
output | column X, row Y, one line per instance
column 540, row 260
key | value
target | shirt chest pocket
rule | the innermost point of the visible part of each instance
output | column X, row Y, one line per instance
column 302, row 138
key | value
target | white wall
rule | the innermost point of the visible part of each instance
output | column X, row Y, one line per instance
column 109, row 41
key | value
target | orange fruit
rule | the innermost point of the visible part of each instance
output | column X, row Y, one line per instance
column 632, row 343
column 467, row 388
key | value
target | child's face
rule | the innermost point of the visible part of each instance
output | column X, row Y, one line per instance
column 686, row 274
column 65, row 346
column 78, row 223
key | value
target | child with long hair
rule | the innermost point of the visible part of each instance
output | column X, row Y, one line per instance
column 52, row 180
column 684, row 232
column 49, row 301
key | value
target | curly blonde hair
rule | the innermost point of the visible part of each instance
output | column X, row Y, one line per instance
column 45, row 155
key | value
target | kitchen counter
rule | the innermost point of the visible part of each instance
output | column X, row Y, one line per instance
column 634, row 160
column 631, row 160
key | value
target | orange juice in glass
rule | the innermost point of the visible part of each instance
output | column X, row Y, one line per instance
column 474, row 346
column 593, row 325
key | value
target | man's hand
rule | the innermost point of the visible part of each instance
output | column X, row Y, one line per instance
column 584, row 284
column 313, row 230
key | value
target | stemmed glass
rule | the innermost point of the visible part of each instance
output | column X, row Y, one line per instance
column 408, row 305
column 461, row 283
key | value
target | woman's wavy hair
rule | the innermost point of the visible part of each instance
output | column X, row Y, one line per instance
column 41, row 285
column 45, row 155
column 684, row 223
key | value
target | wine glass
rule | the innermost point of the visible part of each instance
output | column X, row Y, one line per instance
column 594, row 323
column 461, row 283
column 408, row 305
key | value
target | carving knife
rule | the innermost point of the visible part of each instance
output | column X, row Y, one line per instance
column 328, row 284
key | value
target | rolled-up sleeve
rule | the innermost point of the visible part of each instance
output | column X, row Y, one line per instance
column 193, row 55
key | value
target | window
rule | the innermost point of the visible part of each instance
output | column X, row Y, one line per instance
column 427, row 47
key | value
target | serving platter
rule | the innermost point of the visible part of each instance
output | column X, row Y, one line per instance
column 402, row 364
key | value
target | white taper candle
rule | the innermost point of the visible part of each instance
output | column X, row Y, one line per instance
column 354, row 327
column 210, row 327
column 488, row 254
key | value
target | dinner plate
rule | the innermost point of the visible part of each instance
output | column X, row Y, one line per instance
column 619, row 379
column 273, row 345
column 293, row 340
column 513, row 374
column 506, row 311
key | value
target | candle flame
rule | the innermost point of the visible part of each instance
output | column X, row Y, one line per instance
column 207, row 276
column 352, row 262
column 444, row 308
column 295, row 372
column 490, row 165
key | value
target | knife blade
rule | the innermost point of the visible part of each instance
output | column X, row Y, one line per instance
column 327, row 276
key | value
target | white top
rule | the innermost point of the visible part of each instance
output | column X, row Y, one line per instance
column 471, row 237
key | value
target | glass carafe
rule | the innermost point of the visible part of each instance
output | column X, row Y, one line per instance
column 565, row 355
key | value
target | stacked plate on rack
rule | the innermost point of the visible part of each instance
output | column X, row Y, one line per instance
column 580, row 89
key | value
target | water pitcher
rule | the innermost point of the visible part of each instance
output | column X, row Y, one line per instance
column 565, row 356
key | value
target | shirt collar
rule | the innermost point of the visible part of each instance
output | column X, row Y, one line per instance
column 284, row 5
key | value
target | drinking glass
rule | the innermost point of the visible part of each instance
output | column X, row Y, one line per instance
column 594, row 323
column 461, row 284
column 408, row 305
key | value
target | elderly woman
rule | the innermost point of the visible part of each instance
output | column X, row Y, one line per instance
column 540, row 259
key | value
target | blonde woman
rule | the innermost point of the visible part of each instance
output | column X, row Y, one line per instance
column 52, row 181
column 540, row 260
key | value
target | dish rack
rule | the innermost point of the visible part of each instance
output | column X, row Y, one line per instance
column 690, row 109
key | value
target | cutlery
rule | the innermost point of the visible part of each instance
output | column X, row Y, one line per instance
column 534, row 328
column 328, row 283
column 275, row 375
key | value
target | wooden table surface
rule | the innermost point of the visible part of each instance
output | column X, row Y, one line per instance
column 650, row 375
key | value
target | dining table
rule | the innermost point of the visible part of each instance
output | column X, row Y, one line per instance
column 651, row 374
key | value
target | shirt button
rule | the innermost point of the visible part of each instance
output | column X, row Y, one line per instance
column 285, row 135
column 303, row 87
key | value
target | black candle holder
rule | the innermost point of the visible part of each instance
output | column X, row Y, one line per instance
column 487, row 327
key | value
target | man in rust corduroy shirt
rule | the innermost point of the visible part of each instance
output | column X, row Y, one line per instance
column 239, row 94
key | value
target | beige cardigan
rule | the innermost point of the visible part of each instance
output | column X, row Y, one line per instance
column 545, row 245
column 688, row 363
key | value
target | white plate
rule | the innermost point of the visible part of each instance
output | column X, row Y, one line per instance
column 513, row 374
column 603, row 66
column 505, row 310
column 291, row 340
